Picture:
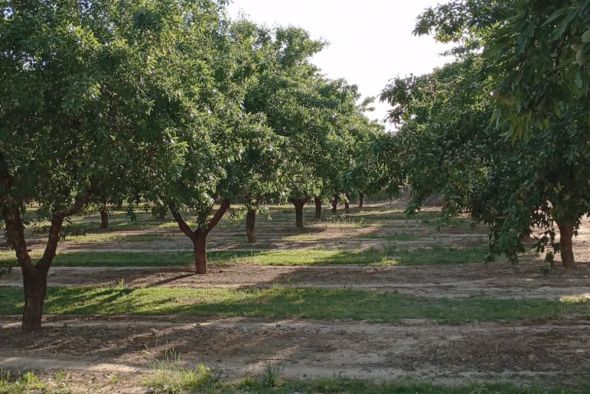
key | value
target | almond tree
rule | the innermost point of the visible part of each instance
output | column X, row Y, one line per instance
column 89, row 89
column 283, row 92
column 537, row 54
column 448, row 146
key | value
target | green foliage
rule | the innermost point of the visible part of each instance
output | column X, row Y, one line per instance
column 541, row 56
column 537, row 50
column 86, row 98
column 320, row 123
column 449, row 147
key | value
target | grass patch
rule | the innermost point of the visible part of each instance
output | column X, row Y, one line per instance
column 310, row 257
column 111, row 259
column 292, row 303
column 440, row 255
column 173, row 379
column 169, row 377
column 341, row 385
column 434, row 256
column 25, row 383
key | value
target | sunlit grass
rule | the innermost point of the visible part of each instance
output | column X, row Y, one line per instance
column 290, row 257
column 175, row 379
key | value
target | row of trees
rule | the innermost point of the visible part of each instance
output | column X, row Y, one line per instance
column 503, row 130
column 168, row 102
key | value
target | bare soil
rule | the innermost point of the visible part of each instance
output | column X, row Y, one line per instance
column 303, row 349
column 450, row 281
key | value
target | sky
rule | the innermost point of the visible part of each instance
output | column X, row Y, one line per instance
column 370, row 41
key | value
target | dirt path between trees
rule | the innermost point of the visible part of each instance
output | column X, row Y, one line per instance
column 308, row 349
column 451, row 281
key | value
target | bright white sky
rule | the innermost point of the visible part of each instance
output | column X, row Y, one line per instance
column 370, row 41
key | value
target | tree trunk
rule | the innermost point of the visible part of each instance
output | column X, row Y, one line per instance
column 199, row 236
column 104, row 218
column 250, row 225
column 35, row 288
column 318, row 207
column 347, row 203
column 566, row 233
column 34, row 275
column 200, row 245
column 299, row 204
column 335, row 203
column 361, row 199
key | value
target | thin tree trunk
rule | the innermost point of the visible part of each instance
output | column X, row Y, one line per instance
column 104, row 218
column 200, row 246
column 251, row 225
column 361, row 199
column 335, row 203
column 566, row 233
column 318, row 207
column 347, row 203
column 35, row 288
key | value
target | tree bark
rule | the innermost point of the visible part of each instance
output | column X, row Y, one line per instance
column 200, row 246
column 251, row 225
column 299, row 204
column 318, row 207
column 335, row 203
column 104, row 218
column 566, row 233
column 361, row 199
column 347, row 203
column 35, row 288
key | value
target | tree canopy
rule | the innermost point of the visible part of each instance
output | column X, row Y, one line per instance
column 497, row 131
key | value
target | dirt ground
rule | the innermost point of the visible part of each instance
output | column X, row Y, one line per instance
column 449, row 281
column 94, row 350
column 306, row 349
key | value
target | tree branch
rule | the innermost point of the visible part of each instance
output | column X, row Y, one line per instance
column 184, row 227
column 15, row 235
column 218, row 215
column 57, row 220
